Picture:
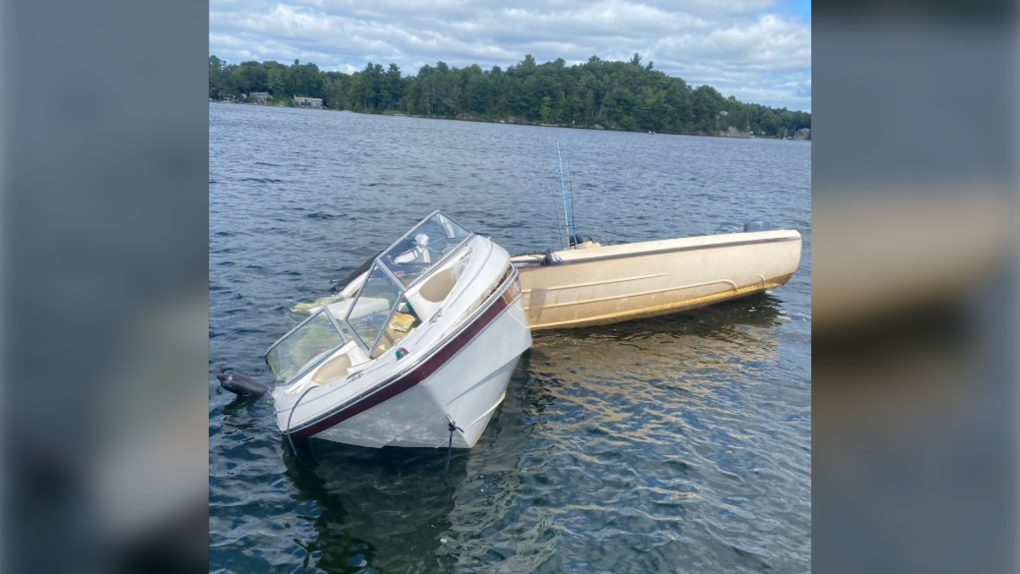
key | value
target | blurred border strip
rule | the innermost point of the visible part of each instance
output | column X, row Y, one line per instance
column 914, row 313
column 908, row 250
column 105, row 285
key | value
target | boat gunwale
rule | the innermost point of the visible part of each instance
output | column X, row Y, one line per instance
column 518, row 262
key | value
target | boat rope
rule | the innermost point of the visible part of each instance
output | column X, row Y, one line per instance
column 452, row 426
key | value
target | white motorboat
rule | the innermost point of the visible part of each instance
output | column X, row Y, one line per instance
column 420, row 357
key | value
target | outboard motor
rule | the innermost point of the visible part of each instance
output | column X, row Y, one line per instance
column 758, row 223
column 241, row 385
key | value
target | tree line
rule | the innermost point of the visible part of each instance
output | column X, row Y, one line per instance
column 597, row 94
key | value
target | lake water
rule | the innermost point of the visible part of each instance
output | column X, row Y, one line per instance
column 676, row 444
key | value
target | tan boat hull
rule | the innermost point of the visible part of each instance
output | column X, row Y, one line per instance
column 599, row 285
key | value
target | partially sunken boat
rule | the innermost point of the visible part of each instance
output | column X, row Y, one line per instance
column 421, row 357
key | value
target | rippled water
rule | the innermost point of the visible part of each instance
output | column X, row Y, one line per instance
column 676, row 444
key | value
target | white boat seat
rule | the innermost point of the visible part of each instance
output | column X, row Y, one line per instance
column 351, row 358
column 438, row 287
column 332, row 369
column 427, row 299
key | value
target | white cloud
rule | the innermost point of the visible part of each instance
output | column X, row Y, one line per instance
column 742, row 47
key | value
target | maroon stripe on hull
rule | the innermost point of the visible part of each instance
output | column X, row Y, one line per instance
column 419, row 374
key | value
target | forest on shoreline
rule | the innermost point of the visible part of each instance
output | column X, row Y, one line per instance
column 597, row 94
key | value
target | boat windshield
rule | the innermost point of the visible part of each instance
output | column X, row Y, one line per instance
column 306, row 344
column 425, row 245
column 371, row 310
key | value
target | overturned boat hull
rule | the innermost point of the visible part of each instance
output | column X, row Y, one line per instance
column 596, row 285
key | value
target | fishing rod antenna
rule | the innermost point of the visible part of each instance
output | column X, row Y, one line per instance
column 570, row 186
column 568, row 213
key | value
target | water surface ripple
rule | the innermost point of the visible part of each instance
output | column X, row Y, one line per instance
column 676, row 444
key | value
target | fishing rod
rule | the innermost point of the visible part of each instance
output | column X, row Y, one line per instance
column 555, row 215
column 568, row 214
column 570, row 186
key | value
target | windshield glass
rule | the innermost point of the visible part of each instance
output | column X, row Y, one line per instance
column 372, row 308
column 424, row 246
column 310, row 341
column 400, row 325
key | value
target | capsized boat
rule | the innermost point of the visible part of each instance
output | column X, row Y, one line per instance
column 420, row 357
column 593, row 283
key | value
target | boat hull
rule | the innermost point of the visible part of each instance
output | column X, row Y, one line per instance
column 466, row 380
column 608, row 284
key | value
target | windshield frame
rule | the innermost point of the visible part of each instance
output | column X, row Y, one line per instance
column 439, row 262
column 376, row 264
column 392, row 277
column 322, row 356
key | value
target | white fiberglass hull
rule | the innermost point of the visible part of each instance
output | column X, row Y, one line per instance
column 455, row 364
column 597, row 285
column 468, row 387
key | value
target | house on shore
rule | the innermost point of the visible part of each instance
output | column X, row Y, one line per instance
column 308, row 102
column 260, row 97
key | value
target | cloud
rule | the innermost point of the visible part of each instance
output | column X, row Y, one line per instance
column 756, row 50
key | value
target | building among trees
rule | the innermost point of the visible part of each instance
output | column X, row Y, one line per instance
column 307, row 102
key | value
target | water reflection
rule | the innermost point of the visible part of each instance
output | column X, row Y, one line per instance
column 490, row 526
column 727, row 336
column 381, row 508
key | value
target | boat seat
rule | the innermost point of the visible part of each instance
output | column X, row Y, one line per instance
column 438, row 287
column 334, row 368
column 430, row 296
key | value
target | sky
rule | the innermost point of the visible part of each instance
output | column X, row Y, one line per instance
column 756, row 50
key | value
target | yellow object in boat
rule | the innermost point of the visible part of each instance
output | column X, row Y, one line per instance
column 402, row 322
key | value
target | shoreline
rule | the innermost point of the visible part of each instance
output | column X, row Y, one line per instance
column 516, row 122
